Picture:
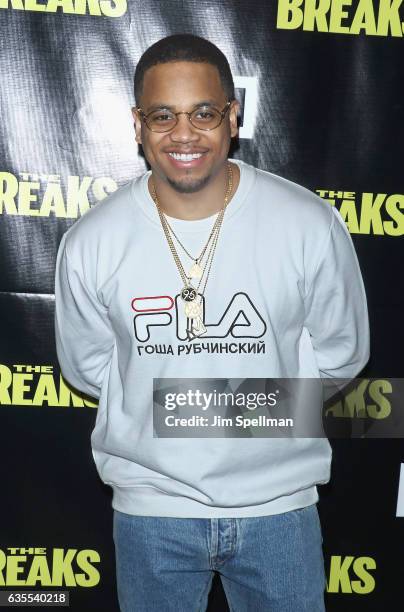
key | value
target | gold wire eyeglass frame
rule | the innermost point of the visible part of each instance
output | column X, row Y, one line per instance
column 189, row 114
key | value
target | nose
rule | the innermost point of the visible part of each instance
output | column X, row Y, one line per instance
column 184, row 130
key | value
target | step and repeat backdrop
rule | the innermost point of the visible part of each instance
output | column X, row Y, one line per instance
column 320, row 90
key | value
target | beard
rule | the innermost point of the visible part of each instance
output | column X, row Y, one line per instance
column 190, row 185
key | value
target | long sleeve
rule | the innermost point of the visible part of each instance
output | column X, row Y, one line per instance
column 336, row 314
column 84, row 338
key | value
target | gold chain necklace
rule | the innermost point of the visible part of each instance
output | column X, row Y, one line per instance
column 190, row 295
column 195, row 270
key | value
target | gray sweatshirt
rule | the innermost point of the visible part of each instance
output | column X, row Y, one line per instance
column 284, row 299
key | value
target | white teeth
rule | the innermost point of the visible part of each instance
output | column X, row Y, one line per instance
column 185, row 156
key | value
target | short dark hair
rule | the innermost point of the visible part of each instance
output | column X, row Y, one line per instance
column 184, row 48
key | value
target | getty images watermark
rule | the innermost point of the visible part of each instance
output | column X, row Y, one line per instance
column 247, row 407
column 207, row 401
column 277, row 408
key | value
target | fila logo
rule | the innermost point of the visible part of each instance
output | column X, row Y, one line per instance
column 241, row 318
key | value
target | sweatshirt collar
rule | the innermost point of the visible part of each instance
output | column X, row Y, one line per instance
column 143, row 198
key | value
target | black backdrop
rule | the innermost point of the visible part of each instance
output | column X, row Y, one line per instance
column 319, row 84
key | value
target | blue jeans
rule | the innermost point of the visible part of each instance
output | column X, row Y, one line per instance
column 269, row 563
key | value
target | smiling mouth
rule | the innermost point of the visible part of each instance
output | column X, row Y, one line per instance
column 185, row 157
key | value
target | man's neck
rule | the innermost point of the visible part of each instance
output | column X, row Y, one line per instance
column 197, row 205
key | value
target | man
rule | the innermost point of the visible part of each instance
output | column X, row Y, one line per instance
column 205, row 268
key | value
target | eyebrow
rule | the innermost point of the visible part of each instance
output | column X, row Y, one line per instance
column 162, row 106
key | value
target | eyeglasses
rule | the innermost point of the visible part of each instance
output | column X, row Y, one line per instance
column 203, row 118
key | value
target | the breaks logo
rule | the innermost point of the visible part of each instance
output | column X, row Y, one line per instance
column 378, row 214
column 240, row 319
column 107, row 8
column 351, row 575
column 36, row 566
column 342, row 16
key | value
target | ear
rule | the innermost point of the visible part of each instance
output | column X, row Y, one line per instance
column 233, row 114
column 138, row 124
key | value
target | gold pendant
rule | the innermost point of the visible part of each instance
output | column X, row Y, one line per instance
column 193, row 310
column 197, row 328
column 195, row 271
column 188, row 294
